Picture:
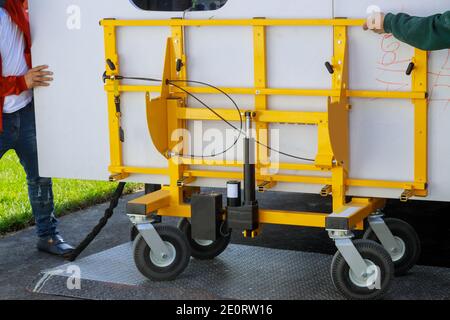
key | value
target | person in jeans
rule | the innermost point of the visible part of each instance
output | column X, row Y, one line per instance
column 17, row 119
column 426, row 33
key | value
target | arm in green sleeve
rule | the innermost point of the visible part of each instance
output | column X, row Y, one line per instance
column 429, row 33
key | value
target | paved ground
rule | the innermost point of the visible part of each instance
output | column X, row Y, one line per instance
column 20, row 263
column 239, row 273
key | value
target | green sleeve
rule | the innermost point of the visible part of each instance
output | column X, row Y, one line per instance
column 429, row 33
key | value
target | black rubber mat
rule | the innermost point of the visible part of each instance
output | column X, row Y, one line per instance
column 241, row 272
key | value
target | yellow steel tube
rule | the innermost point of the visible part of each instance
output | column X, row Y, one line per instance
column 267, row 116
column 384, row 184
column 229, row 163
column 385, row 94
column 282, row 166
column 305, row 219
column 279, row 91
column 260, row 81
column 233, row 22
column 239, row 176
column 139, row 170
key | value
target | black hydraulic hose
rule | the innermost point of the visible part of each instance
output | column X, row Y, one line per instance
column 101, row 224
column 172, row 82
column 214, row 112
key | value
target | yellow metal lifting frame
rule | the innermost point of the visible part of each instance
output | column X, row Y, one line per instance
column 170, row 112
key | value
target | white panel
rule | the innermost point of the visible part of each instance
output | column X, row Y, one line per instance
column 382, row 139
column 382, row 130
column 74, row 143
column 72, row 114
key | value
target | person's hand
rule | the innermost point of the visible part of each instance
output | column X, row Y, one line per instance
column 38, row 77
column 375, row 23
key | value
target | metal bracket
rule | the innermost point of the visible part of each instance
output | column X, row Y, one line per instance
column 265, row 185
column 150, row 235
column 406, row 195
column 118, row 176
column 185, row 181
column 345, row 245
column 326, row 191
column 383, row 233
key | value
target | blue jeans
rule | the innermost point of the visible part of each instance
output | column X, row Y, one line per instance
column 19, row 134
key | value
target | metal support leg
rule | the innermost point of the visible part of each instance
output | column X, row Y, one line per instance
column 383, row 234
column 351, row 255
column 148, row 232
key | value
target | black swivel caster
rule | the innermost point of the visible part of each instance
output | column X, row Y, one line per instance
column 204, row 249
column 370, row 286
column 167, row 267
column 408, row 242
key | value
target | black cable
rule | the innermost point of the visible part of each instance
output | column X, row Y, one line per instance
column 218, row 115
column 138, row 78
column 101, row 224
column 171, row 82
column 283, row 153
column 209, row 108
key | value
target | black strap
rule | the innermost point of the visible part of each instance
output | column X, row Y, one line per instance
column 103, row 221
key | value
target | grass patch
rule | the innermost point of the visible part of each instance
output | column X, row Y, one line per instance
column 70, row 195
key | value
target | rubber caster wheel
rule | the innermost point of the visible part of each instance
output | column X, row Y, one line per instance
column 408, row 241
column 159, row 268
column 374, row 285
column 204, row 249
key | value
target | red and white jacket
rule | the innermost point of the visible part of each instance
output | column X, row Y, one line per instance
column 15, row 85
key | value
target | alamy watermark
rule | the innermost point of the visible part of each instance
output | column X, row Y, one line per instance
column 72, row 272
column 217, row 146
column 73, row 21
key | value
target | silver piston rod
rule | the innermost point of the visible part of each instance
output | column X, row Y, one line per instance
column 249, row 163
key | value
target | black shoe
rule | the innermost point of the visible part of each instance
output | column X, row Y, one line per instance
column 54, row 245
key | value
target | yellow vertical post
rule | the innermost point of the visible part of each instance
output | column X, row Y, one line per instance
column 340, row 144
column 338, row 177
column 420, row 84
column 260, row 74
column 176, row 168
column 178, row 44
column 113, row 116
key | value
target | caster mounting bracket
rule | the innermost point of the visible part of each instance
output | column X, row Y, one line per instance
column 150, row 235
column 383, row 233
column 344, row 244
